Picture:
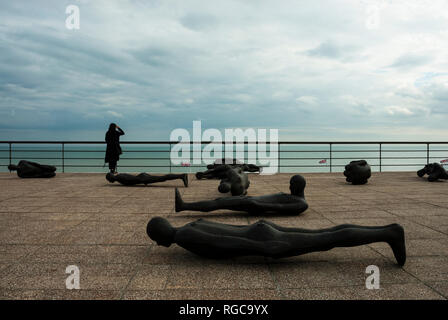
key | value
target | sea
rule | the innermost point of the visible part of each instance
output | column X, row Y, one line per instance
column 294, row 158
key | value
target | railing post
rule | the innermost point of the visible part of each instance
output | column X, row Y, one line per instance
column 10, row 153
column 331, row 157
column 278, row 157
column 427, row 153
column 380, row 157
column 169, row 156
column 63, row 157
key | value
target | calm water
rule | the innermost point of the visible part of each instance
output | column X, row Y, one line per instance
column 293, row 158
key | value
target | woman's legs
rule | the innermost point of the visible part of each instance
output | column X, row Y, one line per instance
column 113, row 166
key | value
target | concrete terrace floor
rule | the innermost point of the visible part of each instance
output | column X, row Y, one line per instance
column 81, row 219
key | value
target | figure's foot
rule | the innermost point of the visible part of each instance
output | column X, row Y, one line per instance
column 178, row 202
column 398, row 244
column 185, row 180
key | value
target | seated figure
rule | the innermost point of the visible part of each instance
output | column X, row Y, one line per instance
column 28, row 169
column 236, row 182
column 280, row 203
column 435, row 171
column 264, row 238
column 144, row 178
column 357, row 172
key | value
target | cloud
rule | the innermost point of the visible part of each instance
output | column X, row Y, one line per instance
column 158, row 65
column 114, row 114
column 327, row 50
column 397, row 110
column 410, row 61
column 309, row 100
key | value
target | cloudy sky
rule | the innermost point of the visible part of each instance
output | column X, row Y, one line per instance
column 316, row 70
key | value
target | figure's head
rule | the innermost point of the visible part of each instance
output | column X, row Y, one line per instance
column 199, row 175
column 224, row 187
column 12, row 167
column 110, row 177
column 112, row 126
column 297, row 185
column 161, row 231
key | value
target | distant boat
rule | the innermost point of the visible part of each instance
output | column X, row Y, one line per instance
column 323, row 161
column 444, row 161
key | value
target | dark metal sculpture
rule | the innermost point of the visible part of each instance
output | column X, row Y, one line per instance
column 218, row 171
column 357, row 172
column 264, row 238
column 236, row 182
column 280, row 203
column 435, row 171
column 29, row 169
column 234, row 163
column 144, row 178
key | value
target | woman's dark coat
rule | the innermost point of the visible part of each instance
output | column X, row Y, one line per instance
column 113, row 149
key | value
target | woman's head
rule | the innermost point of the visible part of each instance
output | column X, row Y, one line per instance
column 297, row 185
column 161, row 231
column 112, row 126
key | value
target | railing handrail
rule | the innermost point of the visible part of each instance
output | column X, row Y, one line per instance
column 214, row 142
column 330, row 144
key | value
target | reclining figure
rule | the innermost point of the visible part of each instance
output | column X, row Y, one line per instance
column 144, row 178
column 357, row 172
column 434, row 171
column 280, row 203
column 264, row 238
column 28, row 169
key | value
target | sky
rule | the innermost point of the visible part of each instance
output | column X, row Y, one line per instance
column 315, row 70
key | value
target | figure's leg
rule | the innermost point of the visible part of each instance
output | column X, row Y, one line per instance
column 230, row 203
column 331, row 229
column 348, row 236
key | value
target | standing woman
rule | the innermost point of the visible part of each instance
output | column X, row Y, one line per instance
column 113, row 149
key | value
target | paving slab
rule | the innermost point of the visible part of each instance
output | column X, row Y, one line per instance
column 83, row 220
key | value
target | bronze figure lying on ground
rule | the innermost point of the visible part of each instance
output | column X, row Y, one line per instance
column 144, row 178
column 279, row 203
column 264, row 238
column 434, row 171
column 29, row 169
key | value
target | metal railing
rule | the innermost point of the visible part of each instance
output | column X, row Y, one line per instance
column 293, row 156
